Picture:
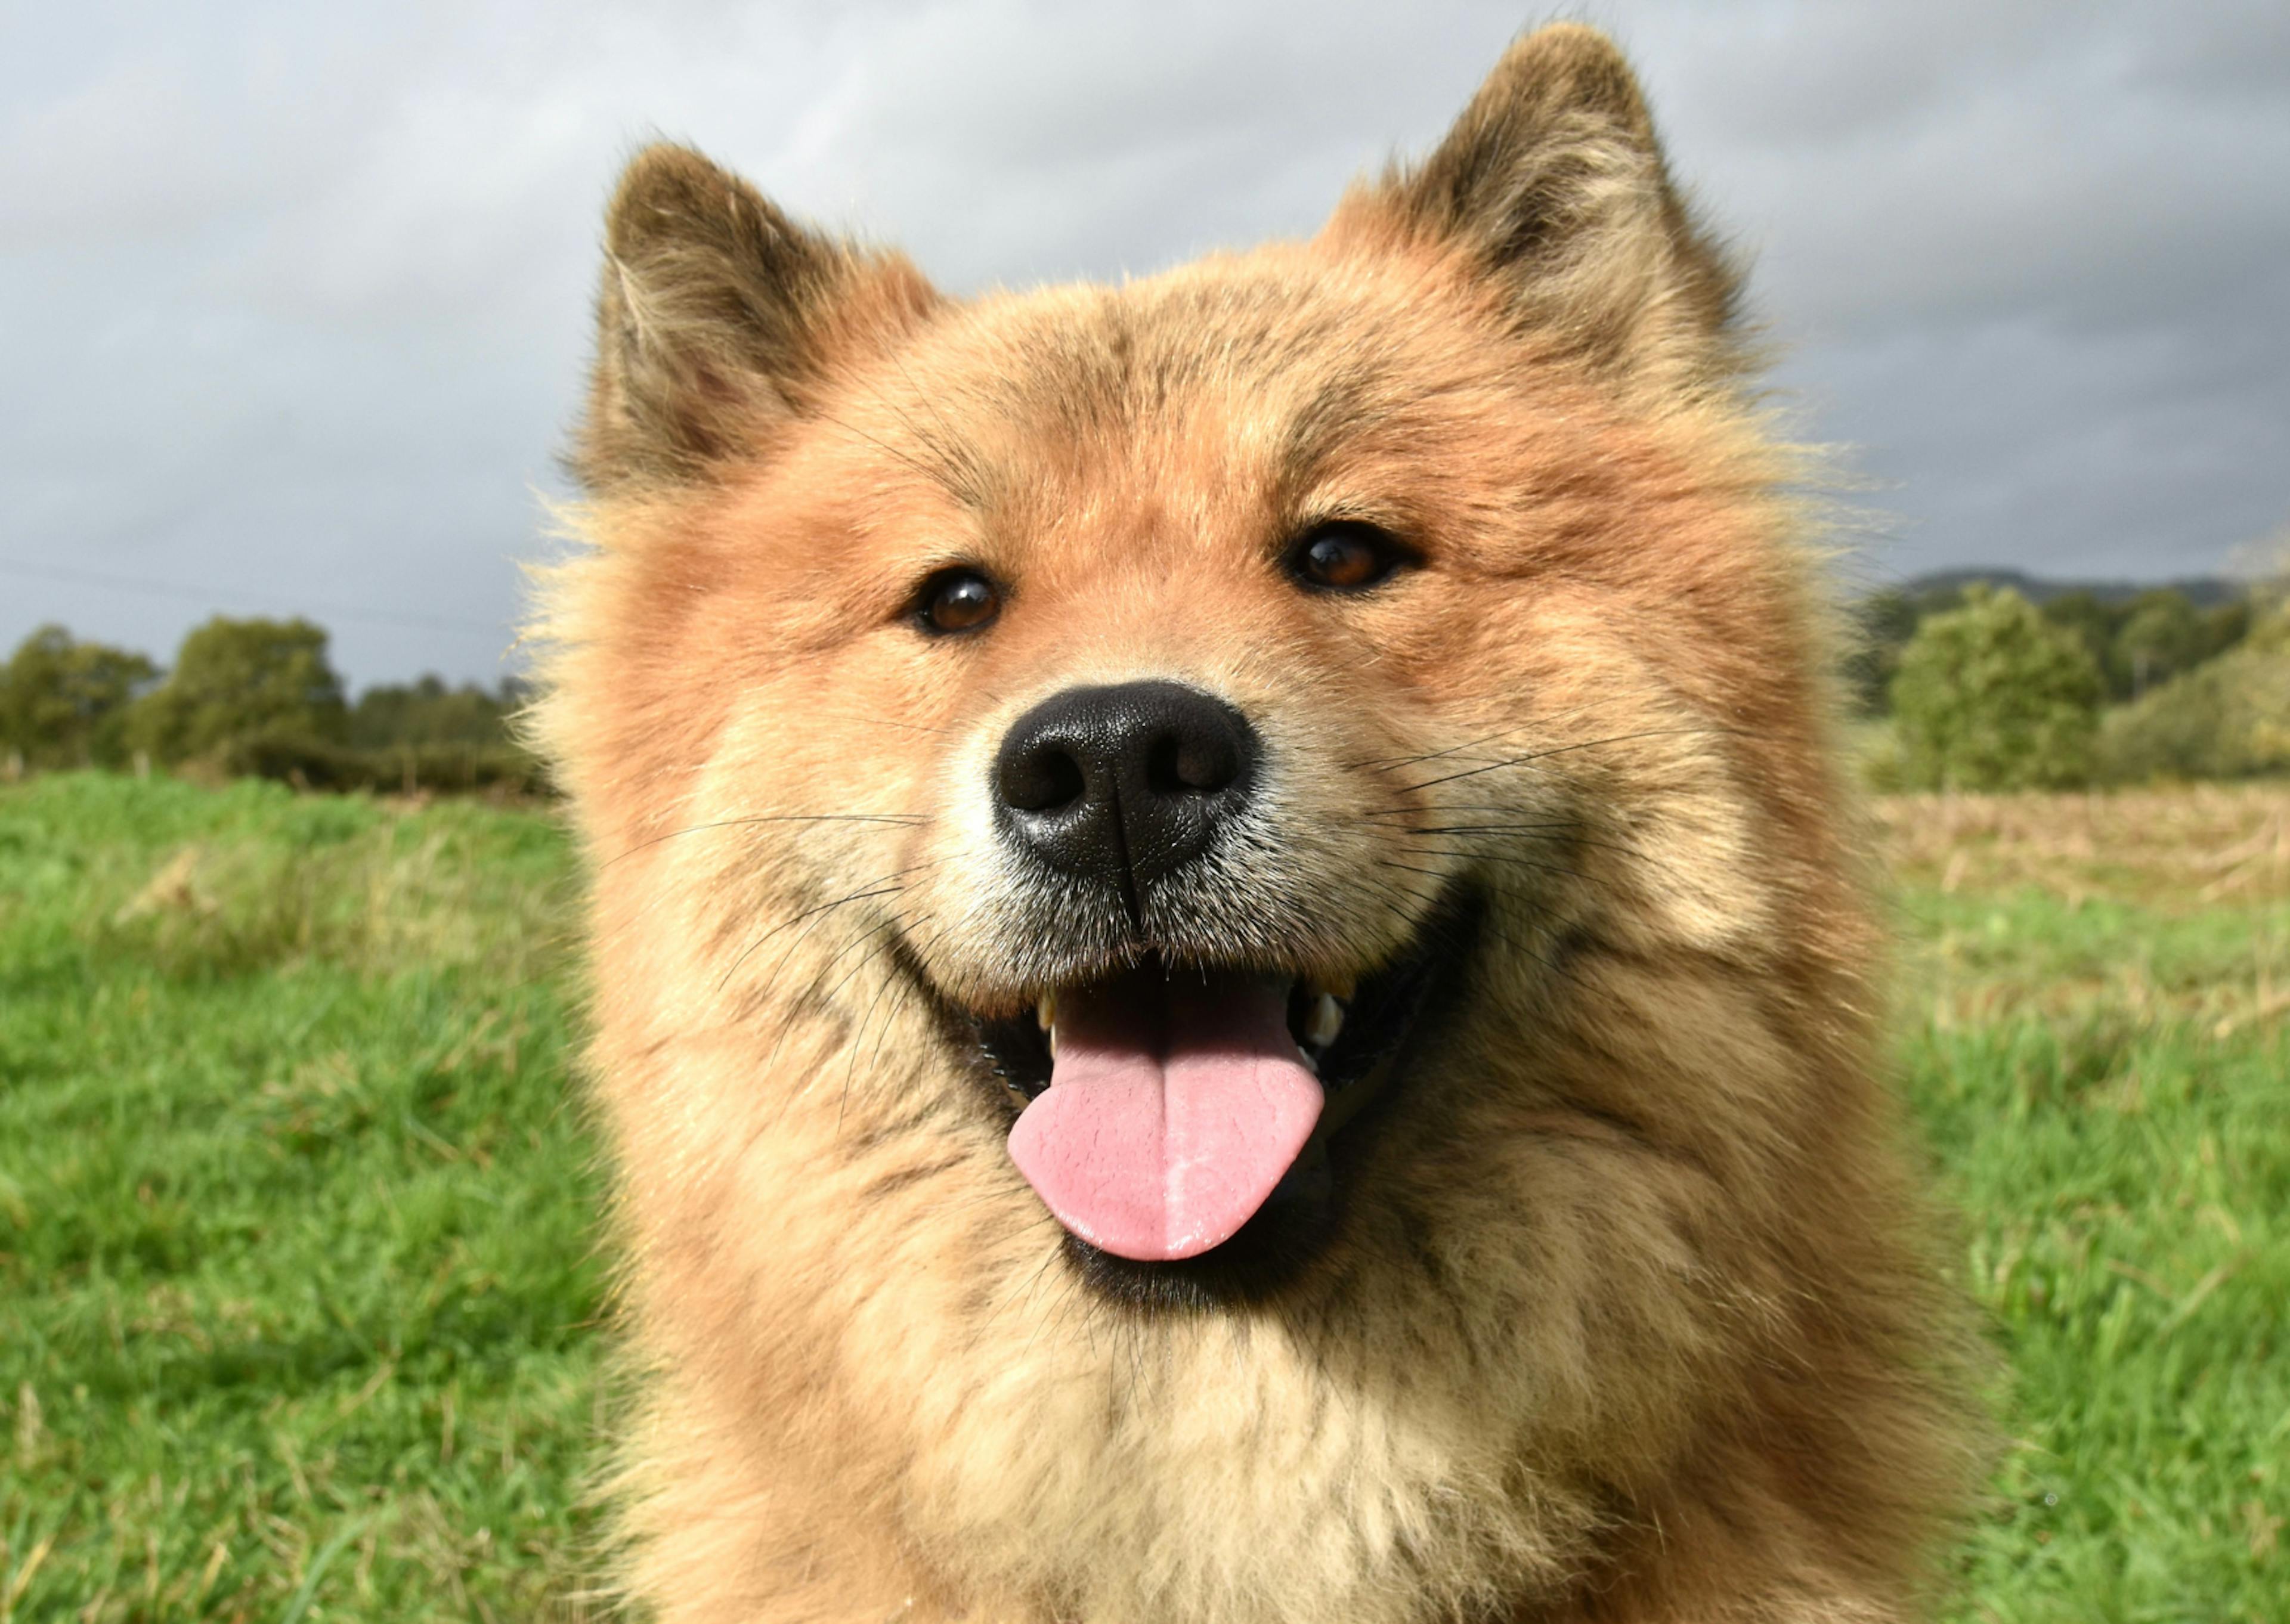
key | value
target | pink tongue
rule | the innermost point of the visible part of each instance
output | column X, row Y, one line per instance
column 1173, row 1107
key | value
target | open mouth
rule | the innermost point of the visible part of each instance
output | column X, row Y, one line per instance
column 1188, row 1125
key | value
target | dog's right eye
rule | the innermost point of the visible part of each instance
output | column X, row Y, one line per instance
column 957, row 600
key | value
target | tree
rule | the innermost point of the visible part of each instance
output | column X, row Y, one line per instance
column 2095, row 622
column 63, row 702
column 236, row 679
column 2225, row 626
column 2162, row 635
column 1993, row 696
column 1884, row 621
column 427, row 711
column 2226, row 717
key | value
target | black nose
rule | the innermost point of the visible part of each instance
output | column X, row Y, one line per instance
column 1123, row 784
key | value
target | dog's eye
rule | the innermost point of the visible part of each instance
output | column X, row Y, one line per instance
column 957, row 600
column 1345, row 556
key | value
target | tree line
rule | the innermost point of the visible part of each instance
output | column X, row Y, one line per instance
column 2135, row 642
column 1967, row 687
column 1978, row 688
column 254, row 697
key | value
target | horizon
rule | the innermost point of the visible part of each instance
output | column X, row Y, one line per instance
column 2196, row 588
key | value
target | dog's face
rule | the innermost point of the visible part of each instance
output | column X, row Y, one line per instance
column 1184, row 863
column 1220, row 671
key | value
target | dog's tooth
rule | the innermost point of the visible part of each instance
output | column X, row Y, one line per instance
column 1045, row 1010
column 1325, row 1021
column 1304, row 1058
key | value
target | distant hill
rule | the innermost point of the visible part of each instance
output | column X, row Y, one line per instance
column 2203, row 591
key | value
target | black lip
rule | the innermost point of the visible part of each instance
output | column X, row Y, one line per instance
column 1389, row 1011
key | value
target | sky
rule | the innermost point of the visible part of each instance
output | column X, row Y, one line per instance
column 294, row 300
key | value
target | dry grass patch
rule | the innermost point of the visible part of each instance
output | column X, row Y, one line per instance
column 2175, row 849
column 2119, row 908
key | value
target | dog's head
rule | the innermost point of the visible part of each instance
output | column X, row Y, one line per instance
column 1245, row 815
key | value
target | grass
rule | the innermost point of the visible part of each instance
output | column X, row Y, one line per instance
column 2093, row 1041
column 298, row 1268
column 296, row 1255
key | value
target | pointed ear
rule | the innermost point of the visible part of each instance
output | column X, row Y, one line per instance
column 717, row 315
column 1554, row 185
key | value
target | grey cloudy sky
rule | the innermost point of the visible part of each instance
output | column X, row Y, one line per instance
column 293, row 298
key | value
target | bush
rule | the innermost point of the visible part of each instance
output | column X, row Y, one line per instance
column 321, row 763
column 63, row 702
column 2229, row 718
column 1993, row 696
column 236, row 679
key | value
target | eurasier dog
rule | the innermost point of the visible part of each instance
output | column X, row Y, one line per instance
column 1230, row 983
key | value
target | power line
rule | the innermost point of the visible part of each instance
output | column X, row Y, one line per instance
column 211, row 594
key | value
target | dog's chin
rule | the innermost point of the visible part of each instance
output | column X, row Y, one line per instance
column 1389, row 1019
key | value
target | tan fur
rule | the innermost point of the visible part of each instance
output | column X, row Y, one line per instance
column 1630, row 1319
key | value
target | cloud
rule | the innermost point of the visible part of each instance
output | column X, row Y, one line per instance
column 300, row 295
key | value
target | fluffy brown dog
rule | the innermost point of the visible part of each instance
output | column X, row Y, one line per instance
column 1229, row 987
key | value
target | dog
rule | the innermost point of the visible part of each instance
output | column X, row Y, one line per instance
column 1231, row 973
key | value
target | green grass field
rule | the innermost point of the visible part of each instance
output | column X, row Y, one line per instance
column 299, row 1275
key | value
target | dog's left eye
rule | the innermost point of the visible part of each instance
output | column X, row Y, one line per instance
column 957, row 600
column 1346, row 556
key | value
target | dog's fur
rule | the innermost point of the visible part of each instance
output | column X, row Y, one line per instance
column 1627, row 1317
